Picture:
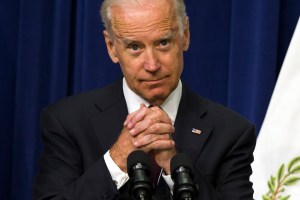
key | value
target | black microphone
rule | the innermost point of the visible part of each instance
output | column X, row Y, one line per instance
column 140, row 185
column 182, row 174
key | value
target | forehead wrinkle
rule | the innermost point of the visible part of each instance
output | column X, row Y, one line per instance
column 122, row 28
column 127, row 20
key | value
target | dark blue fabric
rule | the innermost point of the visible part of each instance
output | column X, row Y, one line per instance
column 51, row 49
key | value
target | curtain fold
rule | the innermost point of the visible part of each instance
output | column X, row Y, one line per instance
column 253, row 57
column 37, row 78
column 51, row 49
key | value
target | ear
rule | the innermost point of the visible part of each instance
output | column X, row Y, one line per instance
column 110, row 47
column 186, row 35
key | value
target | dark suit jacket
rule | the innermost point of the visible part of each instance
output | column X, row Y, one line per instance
column 78, row 130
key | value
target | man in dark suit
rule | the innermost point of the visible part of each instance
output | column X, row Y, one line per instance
column 89, row 136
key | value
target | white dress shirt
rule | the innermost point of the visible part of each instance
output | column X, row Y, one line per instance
column 133, row 102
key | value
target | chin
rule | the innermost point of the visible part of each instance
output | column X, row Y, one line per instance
column 157, row 96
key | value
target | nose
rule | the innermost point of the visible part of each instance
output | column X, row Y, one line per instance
column 151, row 61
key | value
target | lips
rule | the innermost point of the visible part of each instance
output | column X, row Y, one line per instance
column 155, row 80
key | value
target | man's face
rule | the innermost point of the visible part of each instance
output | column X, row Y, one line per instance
column 149, row 48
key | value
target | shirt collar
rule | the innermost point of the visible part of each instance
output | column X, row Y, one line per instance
column 170, row 106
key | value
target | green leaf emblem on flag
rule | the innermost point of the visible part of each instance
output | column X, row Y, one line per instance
column 286, row 176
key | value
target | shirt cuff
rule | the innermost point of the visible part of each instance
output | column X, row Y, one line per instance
column 169, row 182
column 119, row 177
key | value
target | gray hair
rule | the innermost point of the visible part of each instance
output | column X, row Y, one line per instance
column 105, row 13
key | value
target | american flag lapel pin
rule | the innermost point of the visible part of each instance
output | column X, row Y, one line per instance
column 196, row 131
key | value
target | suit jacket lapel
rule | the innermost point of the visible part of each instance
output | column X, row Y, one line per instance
column 191, row 115
column 108, row 124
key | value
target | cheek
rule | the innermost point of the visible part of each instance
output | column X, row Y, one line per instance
column 130, row 68
column 175, row 63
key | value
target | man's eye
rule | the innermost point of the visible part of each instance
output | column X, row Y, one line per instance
column 134, row 47
column 164, row 42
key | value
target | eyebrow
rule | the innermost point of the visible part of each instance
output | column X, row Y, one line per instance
column 127, row 41
column 169, row 35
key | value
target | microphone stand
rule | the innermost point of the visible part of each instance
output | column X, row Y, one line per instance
column 185, row 187
column 140, row 186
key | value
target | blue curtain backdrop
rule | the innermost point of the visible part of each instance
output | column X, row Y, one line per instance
column 54, row 48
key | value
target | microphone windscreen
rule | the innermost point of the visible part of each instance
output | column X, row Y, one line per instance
column 180, row 160
column 137, row 156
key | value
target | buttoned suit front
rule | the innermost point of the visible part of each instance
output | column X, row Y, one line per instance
column 78, row 130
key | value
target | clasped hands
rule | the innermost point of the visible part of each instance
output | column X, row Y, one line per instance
column 147, row 129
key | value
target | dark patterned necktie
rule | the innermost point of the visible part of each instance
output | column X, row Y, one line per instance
column 155, row 169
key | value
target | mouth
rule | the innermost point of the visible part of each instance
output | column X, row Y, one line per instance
column 155, row 81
